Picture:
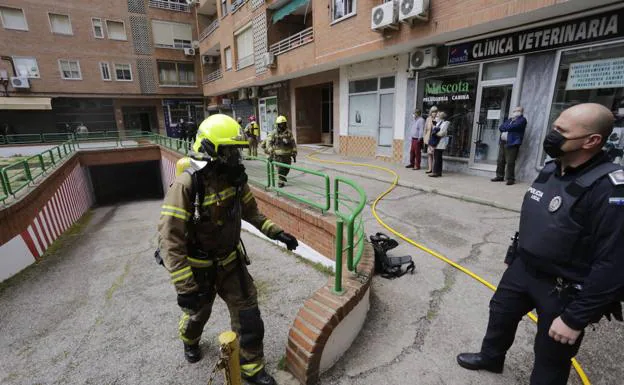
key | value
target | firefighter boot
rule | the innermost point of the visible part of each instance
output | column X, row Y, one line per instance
column 260, row 378
column 192, row 353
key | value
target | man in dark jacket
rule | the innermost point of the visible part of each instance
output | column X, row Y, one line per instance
column 512, row 132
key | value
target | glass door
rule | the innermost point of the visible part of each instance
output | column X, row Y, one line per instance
column 494, row 108
column 267, row 111
column 386, row 124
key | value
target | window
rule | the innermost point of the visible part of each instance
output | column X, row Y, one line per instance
column 70, row 69
column 176, row 74
column 123, row 72
column 26, row 66
column 224, row 8
column 60, row 24
column 105, row 71
column 116, row 30
column 13, row 18
column 228, row 58
column 98, row 29
column 172, row 35
column 244, row 48
column 342, row 9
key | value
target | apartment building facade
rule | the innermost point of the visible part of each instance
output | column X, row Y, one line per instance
column 110, row 65
column 349, row 73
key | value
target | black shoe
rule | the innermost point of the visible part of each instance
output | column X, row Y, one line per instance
column 475, row 361
column 497, row 179
column 510, row 182
column 260, row 378
column 409, row 166
column 192, row 353
column 280, row 184
column 435, row 175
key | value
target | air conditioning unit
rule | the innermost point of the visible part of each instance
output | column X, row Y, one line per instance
column 195, row 44
column 385, row 16
column 189, row 51
column 207, row 59
column 268, row 59
column 20, row 82
column 410, row 10
column 423, row 58
column 242, row 93
column 253, row 92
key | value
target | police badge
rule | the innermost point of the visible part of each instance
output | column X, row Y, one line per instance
column 554, row 204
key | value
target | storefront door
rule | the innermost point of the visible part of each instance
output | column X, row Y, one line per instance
column 267, row 111
column 386, row 124
column 498, row 93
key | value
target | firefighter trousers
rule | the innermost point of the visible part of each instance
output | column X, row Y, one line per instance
column 234, row 285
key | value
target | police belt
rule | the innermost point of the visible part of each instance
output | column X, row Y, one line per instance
column 203, row 259
column 543, row 275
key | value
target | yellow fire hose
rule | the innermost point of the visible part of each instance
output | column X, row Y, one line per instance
column 577, row 366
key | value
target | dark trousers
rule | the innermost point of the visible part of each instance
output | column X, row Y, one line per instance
column 437, row 162
column 282, row 172
column 416, row 152
column 521, row 290
column 506, row 163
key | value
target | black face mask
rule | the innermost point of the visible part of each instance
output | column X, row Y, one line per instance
column 554, row 141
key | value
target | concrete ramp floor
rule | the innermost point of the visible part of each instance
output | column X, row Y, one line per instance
column 98, row 310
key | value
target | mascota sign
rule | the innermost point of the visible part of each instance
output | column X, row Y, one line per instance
column 589, row 29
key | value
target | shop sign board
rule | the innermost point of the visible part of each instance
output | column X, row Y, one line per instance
column 607, row 73
column 589, row 29
column 438, row 91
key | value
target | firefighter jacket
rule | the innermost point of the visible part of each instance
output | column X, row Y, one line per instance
column 217, row 233
column 252, row 130
column 280, row 143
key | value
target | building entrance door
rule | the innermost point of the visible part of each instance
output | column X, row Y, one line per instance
column 386, row 124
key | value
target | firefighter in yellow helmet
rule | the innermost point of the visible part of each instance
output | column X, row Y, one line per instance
column 200, row 227
column 252, row 132
column 280, row 146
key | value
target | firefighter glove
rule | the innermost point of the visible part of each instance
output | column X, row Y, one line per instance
column 189, row 301
column 289, row 240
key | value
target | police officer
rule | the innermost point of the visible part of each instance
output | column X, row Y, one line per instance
column 569, row 261
column 252, row 132
column 200, row 243
column 280, row 146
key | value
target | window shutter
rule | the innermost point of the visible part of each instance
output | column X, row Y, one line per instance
column 162, row 33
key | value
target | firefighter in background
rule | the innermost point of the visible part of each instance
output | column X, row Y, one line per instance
column 199, row 229
column 252, row 132
column 280, row 146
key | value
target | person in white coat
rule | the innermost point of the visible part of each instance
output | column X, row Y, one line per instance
column 439, row 142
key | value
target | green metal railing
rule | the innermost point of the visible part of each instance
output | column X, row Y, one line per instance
column 259, row 171
column 320, row 189
column 56, row 137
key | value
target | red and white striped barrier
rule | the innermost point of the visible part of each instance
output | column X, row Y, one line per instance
column 70, row 201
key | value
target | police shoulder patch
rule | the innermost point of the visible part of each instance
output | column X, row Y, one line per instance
column 617, row 177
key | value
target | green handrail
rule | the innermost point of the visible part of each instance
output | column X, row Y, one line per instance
column 264, row 180
column 326, row 193
column 24, row 138
column 349, row 219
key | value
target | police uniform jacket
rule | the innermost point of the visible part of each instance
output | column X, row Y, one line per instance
column 218, row 232
column 572, row 227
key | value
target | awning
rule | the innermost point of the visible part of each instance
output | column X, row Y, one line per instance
column 288, row 9
column 24, row 103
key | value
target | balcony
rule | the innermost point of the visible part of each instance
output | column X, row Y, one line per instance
column 237, row 4
column 209, row 30
column 245, row 62
column 213, row 76
column 304, row 37
column 170, row 5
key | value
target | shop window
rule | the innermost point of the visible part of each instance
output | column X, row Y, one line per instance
column 456, row 96
column 116, row 30
column 500, row 70
column 596, row 75
column 366, row 85
column 26, row 66
column 13, row 18
column 60, row 24
column 386, row 83
column 98, row 28
column 178, row 112
column 342, row 9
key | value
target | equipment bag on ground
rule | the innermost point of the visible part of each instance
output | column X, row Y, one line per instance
column 389, row 267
